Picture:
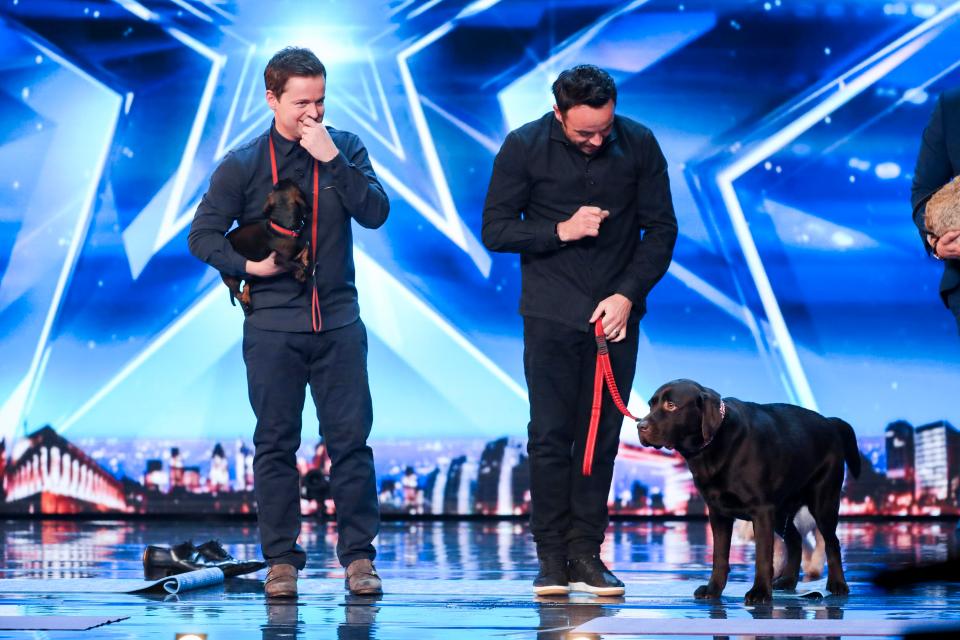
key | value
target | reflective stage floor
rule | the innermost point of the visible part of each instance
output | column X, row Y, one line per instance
column 453, row 580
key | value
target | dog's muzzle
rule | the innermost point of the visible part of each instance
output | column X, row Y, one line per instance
column 643, row 430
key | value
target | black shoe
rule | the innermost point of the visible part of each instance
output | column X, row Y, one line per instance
column 552, row 578
column 216, row 556
column 161, row 562
column 588, row 573
column 213, row 551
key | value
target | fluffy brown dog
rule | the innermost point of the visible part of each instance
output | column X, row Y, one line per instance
column 757, row 462
column 943, row 209
column 285, row 211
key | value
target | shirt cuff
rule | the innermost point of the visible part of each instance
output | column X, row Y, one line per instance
column 632, row 291
column 337, row 164
column 546, row 236
column 239, row 264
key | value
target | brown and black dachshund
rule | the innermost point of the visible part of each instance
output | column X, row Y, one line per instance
column 286, row 212
column 757, row 462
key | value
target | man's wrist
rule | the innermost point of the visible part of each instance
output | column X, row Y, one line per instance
column 331, row 158
column 556, row 233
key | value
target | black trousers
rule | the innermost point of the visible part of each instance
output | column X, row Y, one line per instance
column 569, row 510
column 280, row 366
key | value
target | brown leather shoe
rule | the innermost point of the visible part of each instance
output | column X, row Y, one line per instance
column 362, row 578
column 281, row 581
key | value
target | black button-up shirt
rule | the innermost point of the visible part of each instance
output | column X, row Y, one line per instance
column 540, row 179
column 348, row 189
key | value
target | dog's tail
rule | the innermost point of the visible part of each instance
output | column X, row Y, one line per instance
column 851, row 451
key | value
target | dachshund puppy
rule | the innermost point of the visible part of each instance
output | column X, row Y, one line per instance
column 757, row 462
column 286, row 212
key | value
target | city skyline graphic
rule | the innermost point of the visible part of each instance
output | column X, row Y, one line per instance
column 790, row 131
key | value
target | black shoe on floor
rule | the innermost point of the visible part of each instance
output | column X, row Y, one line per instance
column 213, row 551
column 552, row 578
column 588, row 573
column 161, row 562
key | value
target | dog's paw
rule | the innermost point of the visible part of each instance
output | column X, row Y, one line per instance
column 300, row 275
column 707, row 592
column 838, row 587
column 758, row 595
column 245, row 301
column 785, row 583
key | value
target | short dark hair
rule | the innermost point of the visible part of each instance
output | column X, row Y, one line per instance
column 290, row 62
column 584, row 84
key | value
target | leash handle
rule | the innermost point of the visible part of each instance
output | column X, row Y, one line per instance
column 603, row 375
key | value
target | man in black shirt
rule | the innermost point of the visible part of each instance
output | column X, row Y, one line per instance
column 303, row 334
column 937, row 163
column 583, row 196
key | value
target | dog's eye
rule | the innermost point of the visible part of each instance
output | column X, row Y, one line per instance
column 669, row 406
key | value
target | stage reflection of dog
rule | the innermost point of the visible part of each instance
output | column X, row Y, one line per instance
column 762, row 463
column 285, row 214
column 813, row 551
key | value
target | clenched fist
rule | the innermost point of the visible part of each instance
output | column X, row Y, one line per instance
column 585, row 222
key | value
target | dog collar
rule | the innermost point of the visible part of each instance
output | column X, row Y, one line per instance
column 723, row 414
column 290, row 233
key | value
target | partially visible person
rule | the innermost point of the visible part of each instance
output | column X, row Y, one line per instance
column 937, row 164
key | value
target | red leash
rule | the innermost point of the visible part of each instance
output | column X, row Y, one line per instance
column 603, row 374
column 316, row 320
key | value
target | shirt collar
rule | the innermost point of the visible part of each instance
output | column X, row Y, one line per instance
column 283, row 146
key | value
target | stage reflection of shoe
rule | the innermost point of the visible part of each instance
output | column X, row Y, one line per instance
column 589, row 574
column 282, row 615
column 361, row 610
column 552, row 578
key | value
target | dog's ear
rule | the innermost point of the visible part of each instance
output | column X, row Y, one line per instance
column 300, row 201
column 270, row 204
column 710, row 413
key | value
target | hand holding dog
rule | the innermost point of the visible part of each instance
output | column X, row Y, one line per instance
column 948, row 246
column 317, row 141
column 615, row 312
column 265, row 268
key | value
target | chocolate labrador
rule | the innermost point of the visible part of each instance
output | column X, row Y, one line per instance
column 286, row 212
column 757, row 462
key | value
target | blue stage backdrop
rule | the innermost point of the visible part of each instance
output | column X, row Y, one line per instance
column 791, row 128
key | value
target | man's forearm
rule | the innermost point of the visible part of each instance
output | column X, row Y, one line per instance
column 362, row 196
